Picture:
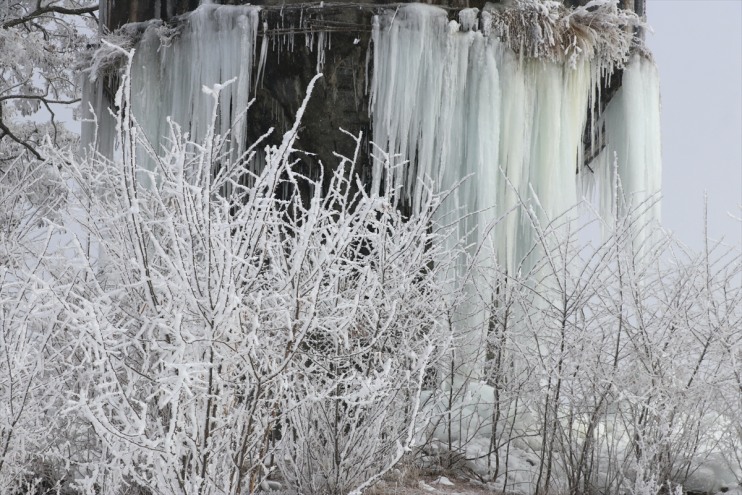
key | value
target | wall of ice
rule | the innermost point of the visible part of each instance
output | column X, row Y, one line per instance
column 628, row 172
column 499, row 108
column 213, row 45
column 457, row 102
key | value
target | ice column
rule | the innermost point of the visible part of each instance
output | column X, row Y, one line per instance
column 435, row 102
column 216, row 44
column 98, row 127
column 629, row 169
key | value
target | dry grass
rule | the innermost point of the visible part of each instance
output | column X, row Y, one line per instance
column 411, row 480
column 549, row 30
column 415, row 487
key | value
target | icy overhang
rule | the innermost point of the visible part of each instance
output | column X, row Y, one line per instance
column 513, row 96
column 301, row 38
column 115, row 13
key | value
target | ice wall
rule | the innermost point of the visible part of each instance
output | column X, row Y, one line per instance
column 214, row 44
column 457, row 102
column 628, row 171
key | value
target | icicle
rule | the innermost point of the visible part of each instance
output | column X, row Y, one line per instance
column 98, row 126
column 321, row 45
column 435, row 99
column 263, row 56
column 486, row 23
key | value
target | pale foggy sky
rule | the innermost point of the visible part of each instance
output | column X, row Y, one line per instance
column 697, row 45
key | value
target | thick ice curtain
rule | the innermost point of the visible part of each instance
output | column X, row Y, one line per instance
column 460, row 105
column 629, row 169
column 435, row 104
column 450, row 104
column 542, row 121
column 216, row 44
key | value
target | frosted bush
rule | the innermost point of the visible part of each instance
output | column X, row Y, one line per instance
column 215, row 315
column 609, row 367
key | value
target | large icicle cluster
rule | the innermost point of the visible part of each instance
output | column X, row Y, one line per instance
column 216, row 44
column 457, row 102
column 628, row 174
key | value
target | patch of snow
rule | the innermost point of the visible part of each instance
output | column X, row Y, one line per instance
column 426, row 487
column 444, row 481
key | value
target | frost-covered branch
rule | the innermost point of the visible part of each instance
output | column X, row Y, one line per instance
column 40, row 44
column 50, row 8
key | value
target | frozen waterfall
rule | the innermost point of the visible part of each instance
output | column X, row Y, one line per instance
column 481, row 100
column 459, row 102
column 497, row 103
column 213, row 45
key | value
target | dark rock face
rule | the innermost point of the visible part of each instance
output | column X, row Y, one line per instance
column 339, row 98
column 116, row 13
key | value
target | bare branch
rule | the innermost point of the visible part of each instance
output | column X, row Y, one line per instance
column 49, row 9
column 7, row 132
column 40, row 98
